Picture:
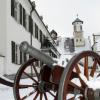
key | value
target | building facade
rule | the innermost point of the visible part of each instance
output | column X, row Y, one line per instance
column 96, row 43
column 19, row 21
column 78, row 33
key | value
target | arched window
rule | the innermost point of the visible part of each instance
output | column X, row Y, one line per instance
column 74, row 28
column 81, row 27
column 76, row 40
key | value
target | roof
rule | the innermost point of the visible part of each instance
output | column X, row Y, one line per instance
column 53, row 31
column 34, row 9
column 77, row 20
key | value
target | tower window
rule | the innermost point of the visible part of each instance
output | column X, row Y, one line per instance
column 81, row 27
column 74, row 28
column 76, row 40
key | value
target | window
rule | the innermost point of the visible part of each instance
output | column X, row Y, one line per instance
column 12, row 8
column 74, row 28
column 23, row 57
column 43, row 38
column 76, row 40
column 30, row 25
column 15, row 10
column 27, row 22
column 81, row 27
column 18, row 57
column 20, row 6
column 13, row 51
column 36, row 31
column 24, row 17
column 40, row 36
column 21, row 16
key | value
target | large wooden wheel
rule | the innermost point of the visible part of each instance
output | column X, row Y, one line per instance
column 28, row 84
column 81, row 70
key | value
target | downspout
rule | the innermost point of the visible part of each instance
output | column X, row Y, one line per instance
column 31, row 16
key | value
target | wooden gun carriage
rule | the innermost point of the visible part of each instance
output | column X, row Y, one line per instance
column 50, row 81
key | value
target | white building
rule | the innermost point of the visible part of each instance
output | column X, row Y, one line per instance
column 78, row 33
column 77, row 43
column 19, row 21
column 96, row 43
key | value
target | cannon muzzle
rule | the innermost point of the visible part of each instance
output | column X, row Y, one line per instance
column 35, row 53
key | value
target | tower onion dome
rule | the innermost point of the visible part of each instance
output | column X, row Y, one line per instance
column 77, row 20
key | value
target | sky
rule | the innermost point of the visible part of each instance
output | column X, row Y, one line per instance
column 59, row 15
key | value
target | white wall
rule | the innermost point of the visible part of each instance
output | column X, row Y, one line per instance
column 11, row 30
column 1, row 65
column 2, row 26
column 79, row 43
column 16, row 33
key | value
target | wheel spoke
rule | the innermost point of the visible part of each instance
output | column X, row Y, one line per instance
column 51, row 94
column 73, row 98
column 70, row 89
column 41, row 95
column 77, row 69
column 30, row 77
column 81, row 98
column 93, row 68
column 45, row 96
column 75, row 86
column 77, row 75
column 25, row 86
column 35, row 70
column 73, row 75
column 28, row 95
column 36, row 95
column 56, row 97
column 82, row 82
column 86, row 67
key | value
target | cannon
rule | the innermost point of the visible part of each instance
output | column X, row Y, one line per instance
column 51, row 81
column 41, row 78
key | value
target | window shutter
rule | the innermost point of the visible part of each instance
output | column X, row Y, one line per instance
column 30, row 57
column 30, row 25
column 36, row 31
column 13, row 51
column 24, row 18
column 12, row 8
column 20, row 14
column 25, row 59
column 20, row 57
column 16, row 54
column 40, row 36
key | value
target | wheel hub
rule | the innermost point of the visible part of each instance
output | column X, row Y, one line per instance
column 41, row 87
column 91, row 94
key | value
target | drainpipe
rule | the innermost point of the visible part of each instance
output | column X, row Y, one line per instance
column 33, row 7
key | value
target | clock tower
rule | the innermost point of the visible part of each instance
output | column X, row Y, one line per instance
column 78, row 33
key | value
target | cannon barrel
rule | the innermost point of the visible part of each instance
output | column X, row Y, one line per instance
column 35, row 53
